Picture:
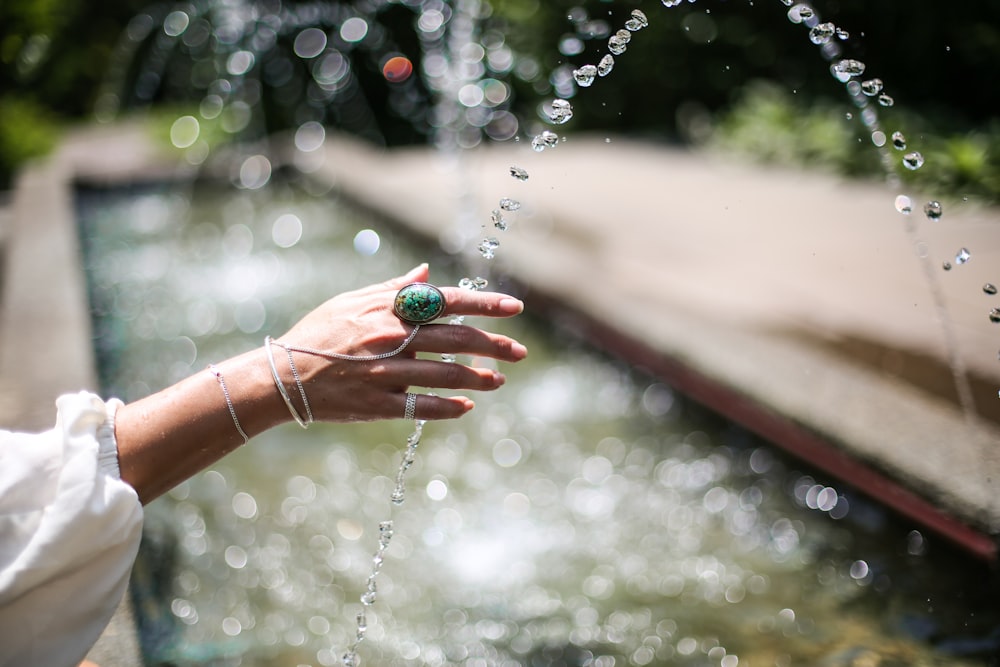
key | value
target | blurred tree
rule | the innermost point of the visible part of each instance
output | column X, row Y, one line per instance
column 689, row 66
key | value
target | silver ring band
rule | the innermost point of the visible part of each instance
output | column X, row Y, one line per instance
column 411, row 406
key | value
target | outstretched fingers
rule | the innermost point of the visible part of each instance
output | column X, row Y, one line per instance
column 461, row 339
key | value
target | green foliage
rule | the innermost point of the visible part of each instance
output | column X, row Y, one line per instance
column 27, row 130
column 770, row 125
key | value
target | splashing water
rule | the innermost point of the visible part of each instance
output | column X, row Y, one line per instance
column 585, row 76
column 518, row 173
column 561, row 112
column 606, row 65
column 933, row 210
column 913, row 161
column 488, row 247
column 509, row 204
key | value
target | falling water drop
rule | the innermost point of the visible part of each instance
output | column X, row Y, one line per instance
column 913, row 161
column 904, row 205
column 842, row 34
column 509, row 204
column 488, row 247
column 843, row 70
column 962, row 256
column 561, row 111
column 476, row 284
column 637, row 22
column 990, row 288
column 886, row 100
column 946, row 266
column 546, row 139
column 871, row 87
column 933, row 210
column 518, row 173
column 822, row 33
column 585, row 75
column 496, row 217
column 898, row 141
column 619, row 42
column 995, row 316
column 606, row 65
column 672, row 3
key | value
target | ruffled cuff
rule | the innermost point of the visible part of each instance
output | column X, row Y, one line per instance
column 107, row 452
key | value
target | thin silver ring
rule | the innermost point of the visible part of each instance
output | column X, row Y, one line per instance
column 411, row 406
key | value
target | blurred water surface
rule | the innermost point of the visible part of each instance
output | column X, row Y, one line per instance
column 582, row 515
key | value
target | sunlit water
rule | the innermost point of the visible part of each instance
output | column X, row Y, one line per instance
column 582, row 515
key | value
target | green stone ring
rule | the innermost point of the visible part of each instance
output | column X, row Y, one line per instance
column 419, row 303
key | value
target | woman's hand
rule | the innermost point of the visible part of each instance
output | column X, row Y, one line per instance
column 362, row 323
column 165, row 438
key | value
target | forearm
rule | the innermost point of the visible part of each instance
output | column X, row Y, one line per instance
column 167, row 437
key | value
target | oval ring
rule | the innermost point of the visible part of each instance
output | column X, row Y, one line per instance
column 419, row 303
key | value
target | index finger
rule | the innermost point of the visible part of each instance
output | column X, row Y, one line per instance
column 461, row 301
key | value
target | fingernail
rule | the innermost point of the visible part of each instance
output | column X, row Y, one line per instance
column 499, row 379
column 519, row 350
column 417, row 269
column 511, row 306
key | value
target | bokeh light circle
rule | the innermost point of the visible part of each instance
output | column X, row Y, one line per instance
column 397, row 69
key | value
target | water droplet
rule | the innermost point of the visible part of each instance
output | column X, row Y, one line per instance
column 886, row 100
column 878, row 138
column 843, row 70
column 509, row 204
column 904, row 205
column 637, row 22
column 843, row 34
column 488, row 247
column 477, row 284
column 561, row 111
column 619, row 42
column 946, row 266
column 518, row 173
column 496, row 217
column 933, row 210
column 822, row 33
column 848, row 115
column 962, row 256
column 585, row 75
column 990, row 288
column 871, row 87
column 899, row 141
column 995, row 316
column 675, row 3
column 913, row 161
column 546, row 139
column 368, row 598
column 606, row 65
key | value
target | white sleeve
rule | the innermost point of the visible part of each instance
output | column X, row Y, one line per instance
column 69, row 533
